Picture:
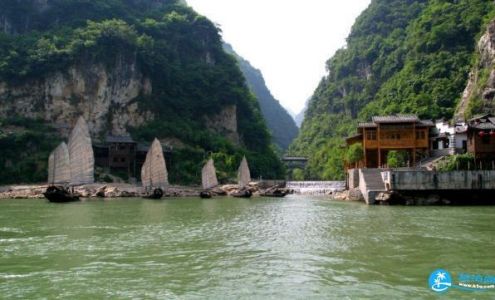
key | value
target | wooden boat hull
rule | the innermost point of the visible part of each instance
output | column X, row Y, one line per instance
column 243, row 194
column 205, row 195
column 156, row 195
column 275, row 194
column 59, row 195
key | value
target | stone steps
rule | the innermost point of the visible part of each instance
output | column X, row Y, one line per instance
column 372, row 184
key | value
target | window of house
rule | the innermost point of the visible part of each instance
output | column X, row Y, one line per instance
column 122, row 159
column 394, row 136
column 420, row 135
column 371, row 135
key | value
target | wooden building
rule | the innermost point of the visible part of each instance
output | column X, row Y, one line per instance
column 121, row 153
column 481, row 137
column 396, row 132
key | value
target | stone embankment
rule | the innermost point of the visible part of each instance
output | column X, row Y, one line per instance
column 349, row 195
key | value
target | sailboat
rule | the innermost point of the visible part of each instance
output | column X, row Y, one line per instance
column 244, row 177
column 59, row 176
column 82, row 160
column 208, row 179
column 154, row 174
column 71, row 165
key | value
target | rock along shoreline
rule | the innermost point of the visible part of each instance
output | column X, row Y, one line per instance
column 117, row 190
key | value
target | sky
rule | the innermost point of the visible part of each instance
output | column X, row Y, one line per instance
column 288, row 40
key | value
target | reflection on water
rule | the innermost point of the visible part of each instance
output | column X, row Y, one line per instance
column 296, row 247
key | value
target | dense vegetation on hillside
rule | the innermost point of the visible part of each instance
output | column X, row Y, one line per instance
column 402, row 56
column 280, row 123
column 179, row 50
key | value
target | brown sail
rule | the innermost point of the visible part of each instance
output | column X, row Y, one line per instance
column 243, row 174
column 59, row 166
column 209, row 175
column 154, row 171
column 81, row 155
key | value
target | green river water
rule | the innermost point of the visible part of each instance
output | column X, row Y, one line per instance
column 225, row 248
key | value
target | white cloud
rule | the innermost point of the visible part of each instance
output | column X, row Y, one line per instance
column 288, row 40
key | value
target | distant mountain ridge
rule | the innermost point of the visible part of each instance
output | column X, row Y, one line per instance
column 280, row 123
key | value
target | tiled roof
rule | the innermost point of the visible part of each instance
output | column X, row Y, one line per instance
column 484, row 122
column 426, row 123
column 396, row 119
column 484, row 126
column 354, row 137
column 126, row 139
column 367, row 125
column 478, row 117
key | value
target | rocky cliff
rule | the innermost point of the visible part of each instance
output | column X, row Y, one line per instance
column 105, row 95
column 479, row 94
column 149, row 68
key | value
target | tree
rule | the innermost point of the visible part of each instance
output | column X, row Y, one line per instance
column 298, row 174
column 354, row 154
column 397, row 159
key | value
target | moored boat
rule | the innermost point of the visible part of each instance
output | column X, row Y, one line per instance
column 244, row 178
column 154, row 175
column 208, row 179
column 276, row 193
column 205, row 194
column 244, row 193
column 60, row 194
column 71, row 165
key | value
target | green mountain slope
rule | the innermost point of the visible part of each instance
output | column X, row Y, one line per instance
column 402, row 56
column 280, row 123
column 145, row 67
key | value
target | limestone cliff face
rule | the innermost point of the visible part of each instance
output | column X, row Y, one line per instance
column 225, row 123
column 105, row 96
column 479, row 94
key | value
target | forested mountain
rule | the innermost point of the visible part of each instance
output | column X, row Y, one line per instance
column 280, row 123
column 142, row 67
column 402, row 56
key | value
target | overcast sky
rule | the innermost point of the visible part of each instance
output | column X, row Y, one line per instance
column 288, row 40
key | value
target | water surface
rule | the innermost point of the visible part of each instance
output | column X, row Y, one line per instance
column 297, row 248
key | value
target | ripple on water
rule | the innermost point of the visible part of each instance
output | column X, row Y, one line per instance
column 229, row 248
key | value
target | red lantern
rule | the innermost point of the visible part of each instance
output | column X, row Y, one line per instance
column 492, row 133
column 481, row 133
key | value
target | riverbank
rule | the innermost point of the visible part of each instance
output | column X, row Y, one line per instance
column 119, row 190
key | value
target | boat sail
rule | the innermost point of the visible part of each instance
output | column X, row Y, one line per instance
column 243, row 174
column 209, row 175
column 59, row 166
column 81, row 155
column 154, row 171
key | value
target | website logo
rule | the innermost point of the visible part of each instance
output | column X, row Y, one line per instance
column 440, row 281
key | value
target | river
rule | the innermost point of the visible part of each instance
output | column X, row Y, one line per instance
column 293, row 248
